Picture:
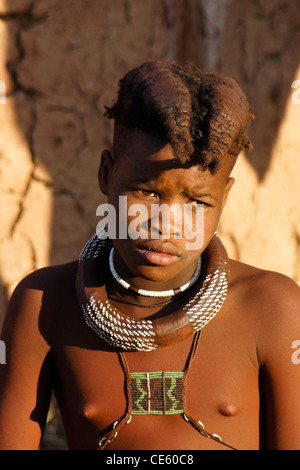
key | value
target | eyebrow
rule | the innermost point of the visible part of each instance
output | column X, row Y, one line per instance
column 192, row 194
column 140, row 181
column 199, row 196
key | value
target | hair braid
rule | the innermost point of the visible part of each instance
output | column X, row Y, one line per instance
column 202, row 115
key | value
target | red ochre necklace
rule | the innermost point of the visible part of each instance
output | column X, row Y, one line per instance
column 206, row 298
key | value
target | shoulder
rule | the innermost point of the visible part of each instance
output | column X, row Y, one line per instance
column 269, row 288
column 45, row 283
column 272, row 301
column 50, row 277
column 34, row 298
column 44, row 286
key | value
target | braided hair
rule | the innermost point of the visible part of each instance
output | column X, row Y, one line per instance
column 204, row 116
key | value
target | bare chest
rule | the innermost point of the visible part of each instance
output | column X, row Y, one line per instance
column 220, row 390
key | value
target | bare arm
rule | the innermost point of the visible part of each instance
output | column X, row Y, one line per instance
column 25, row 379
column 279, row 329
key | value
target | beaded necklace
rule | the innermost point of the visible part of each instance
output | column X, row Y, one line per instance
column 126, row 333
column 153, row 293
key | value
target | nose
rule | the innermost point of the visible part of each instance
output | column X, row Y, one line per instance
column 166, row 221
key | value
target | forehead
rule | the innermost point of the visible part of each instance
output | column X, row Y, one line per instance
column 135, row 143
column 145, row 157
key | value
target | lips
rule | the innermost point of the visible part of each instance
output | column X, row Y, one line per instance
column 159, row 247
column 158, row 253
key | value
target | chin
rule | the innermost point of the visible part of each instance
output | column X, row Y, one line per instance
column 156, row 273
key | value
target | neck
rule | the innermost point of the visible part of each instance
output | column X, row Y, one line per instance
column 138, row 307
column 118, row 295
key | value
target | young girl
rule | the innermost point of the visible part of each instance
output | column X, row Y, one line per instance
column 150, row 341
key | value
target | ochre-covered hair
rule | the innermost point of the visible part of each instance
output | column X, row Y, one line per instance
column 202, row 115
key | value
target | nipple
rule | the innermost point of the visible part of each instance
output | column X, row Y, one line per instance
column 89, row 411
column 228, row 409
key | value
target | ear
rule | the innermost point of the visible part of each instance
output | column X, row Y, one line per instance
column 228, row 187
column 105, row 171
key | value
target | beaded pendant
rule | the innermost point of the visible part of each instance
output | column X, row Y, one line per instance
column 157, row 393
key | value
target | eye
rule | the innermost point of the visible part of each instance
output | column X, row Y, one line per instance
column 197, row 204
column 146, row 193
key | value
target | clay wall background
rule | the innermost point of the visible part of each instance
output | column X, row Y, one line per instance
column 60, row 61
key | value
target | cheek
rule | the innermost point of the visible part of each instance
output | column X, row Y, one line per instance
column 131, row 216
column 211, row 221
